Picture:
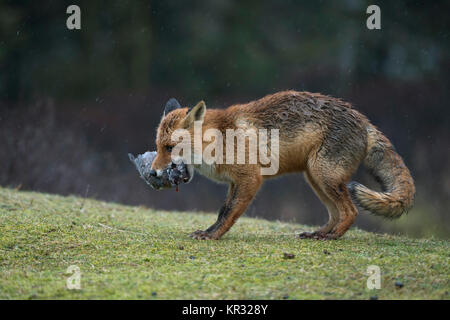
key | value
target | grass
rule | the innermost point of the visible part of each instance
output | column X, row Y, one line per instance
column 128, row 252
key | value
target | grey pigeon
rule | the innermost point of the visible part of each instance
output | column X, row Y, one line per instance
column 172, row 176
column 143, row 163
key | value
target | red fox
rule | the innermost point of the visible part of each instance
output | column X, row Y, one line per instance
column 319, row 135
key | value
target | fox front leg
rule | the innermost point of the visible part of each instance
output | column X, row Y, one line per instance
column 239, row 197
column 224, row 210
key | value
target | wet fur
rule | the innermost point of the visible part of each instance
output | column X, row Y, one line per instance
column 319, row 135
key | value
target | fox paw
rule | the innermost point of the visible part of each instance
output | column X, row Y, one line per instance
column 317, row 235
column 202, row 235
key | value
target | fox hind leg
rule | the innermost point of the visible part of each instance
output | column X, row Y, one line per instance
column 347, row 210
column 329, row 182
column 331, row 207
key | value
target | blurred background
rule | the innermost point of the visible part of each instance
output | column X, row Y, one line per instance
column 73, row 103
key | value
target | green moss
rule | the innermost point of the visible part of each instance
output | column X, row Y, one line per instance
column 134, row 252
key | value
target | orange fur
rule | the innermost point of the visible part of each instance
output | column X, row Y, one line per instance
column 319, row 135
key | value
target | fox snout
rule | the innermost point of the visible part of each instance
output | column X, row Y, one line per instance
column 161, row 162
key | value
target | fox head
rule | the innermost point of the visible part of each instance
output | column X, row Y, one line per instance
column 175, row 117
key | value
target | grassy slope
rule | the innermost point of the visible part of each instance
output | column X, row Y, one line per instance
column 134, row 252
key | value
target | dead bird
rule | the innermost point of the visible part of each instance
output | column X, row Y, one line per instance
column 172, row 176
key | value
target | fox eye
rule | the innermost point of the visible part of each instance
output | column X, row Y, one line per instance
column 169, row 148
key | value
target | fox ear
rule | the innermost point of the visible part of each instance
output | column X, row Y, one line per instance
column 196, row 113
column 171, row 105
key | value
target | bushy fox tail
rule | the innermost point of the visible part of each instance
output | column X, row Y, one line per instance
column 390, row 171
